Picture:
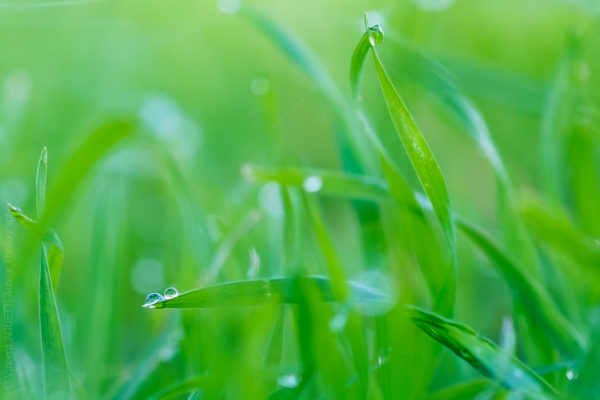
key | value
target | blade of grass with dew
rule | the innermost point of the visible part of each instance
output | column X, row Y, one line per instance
column 533, row 295
column 482, row 354
column 257, row 291
column 419, row 153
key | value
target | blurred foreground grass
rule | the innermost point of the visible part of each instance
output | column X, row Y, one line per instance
column 413, row 214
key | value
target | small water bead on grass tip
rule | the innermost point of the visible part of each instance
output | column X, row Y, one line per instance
column 171, row 293
column 152, row 299
column 375, row 35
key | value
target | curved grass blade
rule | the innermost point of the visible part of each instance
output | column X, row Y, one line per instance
column 260, row 291
column 482, row 354
column 532, row 294
column 330, row 182
column 415, row 145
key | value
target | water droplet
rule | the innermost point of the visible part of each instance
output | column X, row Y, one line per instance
column 229, row 6
column 571, row 375
column 289, row 381
column 170, row 293
column 152, row 299
column 259, row 86
column 313, row 184
column 375, row 35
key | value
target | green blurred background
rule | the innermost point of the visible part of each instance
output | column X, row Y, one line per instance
column 214, row 93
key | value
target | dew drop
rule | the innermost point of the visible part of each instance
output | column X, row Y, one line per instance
column 170, row 293
column 152, row 299
column 375, row 35
column 313, row 184
column 570, row 375
column 288, row 381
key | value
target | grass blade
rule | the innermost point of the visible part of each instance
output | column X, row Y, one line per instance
column 259, row 291
column 51, row 242
column 56, row 373
column 333, row 183
column 419, row 153
column 532, row 294
column 482, row 354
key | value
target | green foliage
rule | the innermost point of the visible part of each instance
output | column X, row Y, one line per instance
column 336, row 227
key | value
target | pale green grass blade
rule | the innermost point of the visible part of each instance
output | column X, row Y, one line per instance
column 330, row 182
column 259, row 291
column 533, row 295
column 56, row 373
column 41, row 175
column 483, row 355
column 357, row 62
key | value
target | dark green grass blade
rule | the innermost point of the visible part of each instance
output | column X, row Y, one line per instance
column 259, row 291
column 419, row 153
column 482, row 354
column 56, row 373
column 532, row 294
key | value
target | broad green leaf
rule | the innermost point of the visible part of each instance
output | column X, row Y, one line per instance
column 259, row 291
column 532, row 294
column 483, row 355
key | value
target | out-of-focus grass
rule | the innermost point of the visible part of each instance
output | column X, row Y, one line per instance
column 307, row 220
